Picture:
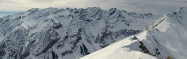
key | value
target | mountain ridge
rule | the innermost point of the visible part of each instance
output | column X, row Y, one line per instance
column 164, row 39
column 62, row 33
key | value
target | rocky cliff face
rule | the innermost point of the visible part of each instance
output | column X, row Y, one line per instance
column 54, row 33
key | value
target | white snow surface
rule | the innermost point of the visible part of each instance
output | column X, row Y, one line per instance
column 66, row 33
column 119, row 51
column 166, row 37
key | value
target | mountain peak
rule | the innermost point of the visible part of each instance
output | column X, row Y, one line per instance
column 165, row 39
column 62, row 33
column 33, row 9
column 181, row 9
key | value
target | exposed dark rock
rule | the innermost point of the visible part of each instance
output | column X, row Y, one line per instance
column 57, row 26
column 53, row 41
column 2, row 53
column 84, row 50
column 54, row 55
column 25, row 54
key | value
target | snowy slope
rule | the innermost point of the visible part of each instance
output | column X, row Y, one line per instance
column 119, row 50
column 54, row 33
column 171, row 34
column 165, row 38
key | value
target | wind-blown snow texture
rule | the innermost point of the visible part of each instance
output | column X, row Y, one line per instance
column 165, row 38
column 53, row 33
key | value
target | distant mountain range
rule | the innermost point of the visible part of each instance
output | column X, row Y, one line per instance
column 72, row 33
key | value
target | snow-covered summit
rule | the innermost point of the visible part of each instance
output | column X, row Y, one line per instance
column 119, row 50
column 177, row 17
column 70, row 33
column 171, row 32
column 166, row 38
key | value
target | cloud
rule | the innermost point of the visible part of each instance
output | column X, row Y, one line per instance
column 42, row 1
column 158, row 7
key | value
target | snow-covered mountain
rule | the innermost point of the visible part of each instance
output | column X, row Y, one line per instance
column 54, row 33
column 166, row 38
column 120, row 50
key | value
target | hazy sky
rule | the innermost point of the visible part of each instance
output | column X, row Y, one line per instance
column 157, row 7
